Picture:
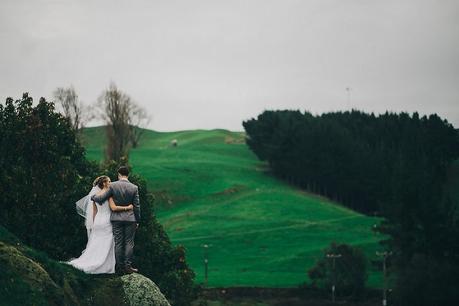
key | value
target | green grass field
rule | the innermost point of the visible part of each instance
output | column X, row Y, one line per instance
column 213, row 190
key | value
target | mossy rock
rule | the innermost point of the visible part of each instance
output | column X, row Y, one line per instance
column 128, row 290
column 29, row 277
column 140, row 290
column 24, row 280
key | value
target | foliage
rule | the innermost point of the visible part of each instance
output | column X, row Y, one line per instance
column 43, row 172
column 393, row 164
column 349, row 273
column 428, row 281
column 72, row 107
column 124, row 120
column 361, row 160
column 115, row 106
column 139, row 120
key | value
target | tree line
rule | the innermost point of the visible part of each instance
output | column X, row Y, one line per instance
column 393, row 165
column 357, row 159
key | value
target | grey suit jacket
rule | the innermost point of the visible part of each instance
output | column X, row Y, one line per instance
column 123, row 193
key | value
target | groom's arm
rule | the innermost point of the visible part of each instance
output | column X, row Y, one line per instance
column 99, row 199
column 136, row 204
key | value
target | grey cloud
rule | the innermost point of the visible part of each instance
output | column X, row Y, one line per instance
column 212, row 64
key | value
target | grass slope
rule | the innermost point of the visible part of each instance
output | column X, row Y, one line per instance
column 213, row 190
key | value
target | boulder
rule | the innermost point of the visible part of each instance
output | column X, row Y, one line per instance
column 140, row 290
column 29, row 277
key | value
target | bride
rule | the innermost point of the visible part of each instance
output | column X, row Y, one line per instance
column 99, row 254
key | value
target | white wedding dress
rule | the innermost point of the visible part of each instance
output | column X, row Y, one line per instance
column 99, row 254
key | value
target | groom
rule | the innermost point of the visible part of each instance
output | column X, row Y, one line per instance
column 124, row 223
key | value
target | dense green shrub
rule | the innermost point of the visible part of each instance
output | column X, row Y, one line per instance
column 43, row 172
column 349, row 273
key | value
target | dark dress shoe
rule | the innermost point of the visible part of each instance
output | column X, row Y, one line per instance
column 130, row 270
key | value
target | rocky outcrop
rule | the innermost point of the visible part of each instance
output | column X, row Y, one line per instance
column 29, row 277
column 140, row 290
column 26, row 281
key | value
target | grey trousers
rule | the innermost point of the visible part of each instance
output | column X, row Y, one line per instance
column 123, row 233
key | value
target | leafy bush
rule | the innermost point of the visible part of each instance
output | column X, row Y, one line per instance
column 43, row 172
column 349, row 274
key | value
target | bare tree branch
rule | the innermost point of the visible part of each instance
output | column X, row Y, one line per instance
column 115, row 107
column 139, row 120
column 75, row 110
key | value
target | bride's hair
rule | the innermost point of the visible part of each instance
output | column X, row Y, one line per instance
column 99, row 181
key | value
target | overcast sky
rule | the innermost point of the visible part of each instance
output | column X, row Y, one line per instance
column 212, row 64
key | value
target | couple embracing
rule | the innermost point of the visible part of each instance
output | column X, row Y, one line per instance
column 111, row 225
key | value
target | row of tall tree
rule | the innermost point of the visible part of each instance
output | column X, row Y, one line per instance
column 358, row 159
column 124, row 118
column 392, row 164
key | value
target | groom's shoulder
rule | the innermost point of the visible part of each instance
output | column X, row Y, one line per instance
column 133, row 185
column 117, row 184
column 120, row 183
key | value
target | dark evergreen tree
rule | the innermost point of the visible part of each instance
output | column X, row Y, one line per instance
column 395, row 165
column 43, row 172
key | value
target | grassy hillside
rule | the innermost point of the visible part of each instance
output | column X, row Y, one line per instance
column 213, row 190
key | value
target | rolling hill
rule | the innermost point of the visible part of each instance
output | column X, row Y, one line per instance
column 211, row 189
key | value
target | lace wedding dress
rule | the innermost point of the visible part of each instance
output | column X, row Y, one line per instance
column 99, row 254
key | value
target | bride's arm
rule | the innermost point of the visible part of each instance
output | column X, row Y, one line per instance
column 102, row 195
column 113, row 206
